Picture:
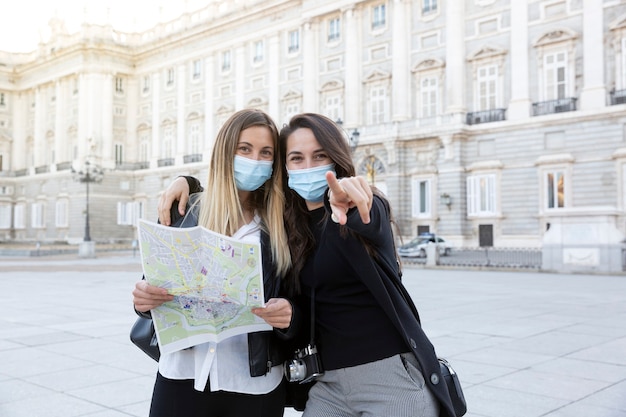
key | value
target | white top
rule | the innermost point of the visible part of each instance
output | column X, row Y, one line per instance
column 225, row 363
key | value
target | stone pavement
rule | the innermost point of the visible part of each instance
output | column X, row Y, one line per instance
column 524, row 344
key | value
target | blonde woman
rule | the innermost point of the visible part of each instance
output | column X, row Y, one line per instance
column 242, row 375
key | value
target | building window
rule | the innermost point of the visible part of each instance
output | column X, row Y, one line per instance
column 168, row 142
column 3, row 102
column 194, row 138
column 19, row 220
column 292, row 107
column 555, row 75
column 5, row 216
column 61, row 213
column 196, row 71
column 429, row 6
column 37, row 215
column 429, row 93
column 333, row 107
column 334, row 29
column 293, row 41
column 146, row 84
column 486, row 85
column 129, row 212
column 481, row 195
column 119, row 154
column 379, row 16
column 379, row 103
column 169, row 77
column 119, row 85
column 555, row 189
column 257, row 52
column 144, row 146
column 225, row 61
column 421, row 198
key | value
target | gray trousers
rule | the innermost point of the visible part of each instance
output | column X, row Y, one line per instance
column 391, row 387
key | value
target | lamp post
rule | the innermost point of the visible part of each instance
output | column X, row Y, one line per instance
column 353, row 138
column 89, row 174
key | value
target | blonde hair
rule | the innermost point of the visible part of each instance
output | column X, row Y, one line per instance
column 220, row 208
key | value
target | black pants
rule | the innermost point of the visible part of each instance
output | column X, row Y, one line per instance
column 178, row 398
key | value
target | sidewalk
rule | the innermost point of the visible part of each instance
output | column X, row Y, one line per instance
column 524, row 344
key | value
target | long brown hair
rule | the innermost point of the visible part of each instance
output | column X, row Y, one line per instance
column 333, row 140
column 220, row 208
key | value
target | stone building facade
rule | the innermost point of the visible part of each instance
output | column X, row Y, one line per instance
column 485, row 121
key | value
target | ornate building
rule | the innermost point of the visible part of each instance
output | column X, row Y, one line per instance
column 486, row 121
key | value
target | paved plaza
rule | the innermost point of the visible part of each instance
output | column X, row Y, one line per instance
column 524, row 344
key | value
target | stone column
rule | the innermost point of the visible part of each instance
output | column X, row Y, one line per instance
column 39, row 140
column 181, row 134
column 18, row 148
column 400, row 62
column 156, row 127
column 209, row 111
column 240, row 77
column 352, row 66
column 593, row 94
column 61, row 150
column 519, row 107
column 455, row 57
column 273, row 57
column 104, row 118
column 309, row 68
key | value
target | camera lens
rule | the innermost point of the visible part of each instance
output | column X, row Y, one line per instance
column 295, row 371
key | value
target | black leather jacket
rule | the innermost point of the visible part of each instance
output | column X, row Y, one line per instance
column 267, row 348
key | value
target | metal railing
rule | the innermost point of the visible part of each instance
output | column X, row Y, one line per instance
column 560, row 105
column 618, row 97
column 485, row 116
column 488, row 257
column 194, row 157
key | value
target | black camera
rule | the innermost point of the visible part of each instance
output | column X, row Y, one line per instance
column 305, row 366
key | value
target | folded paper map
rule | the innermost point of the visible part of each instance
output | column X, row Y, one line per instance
column 215, row 280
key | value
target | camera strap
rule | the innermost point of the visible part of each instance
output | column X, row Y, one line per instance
column 312, row 317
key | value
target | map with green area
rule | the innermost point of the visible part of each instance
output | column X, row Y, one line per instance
column 215, row 280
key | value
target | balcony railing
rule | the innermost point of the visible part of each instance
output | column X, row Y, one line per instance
column 554, row 106
column 64, row 166
column 42, row 169
column 165, row 162
column 486, row 116
column 132, row 166
column 194, row 157
column 21, row 172
column 618, row 97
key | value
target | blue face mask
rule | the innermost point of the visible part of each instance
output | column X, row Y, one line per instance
column 310, row 183
column 251, row 174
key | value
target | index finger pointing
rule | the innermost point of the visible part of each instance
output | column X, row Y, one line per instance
column 333, row 183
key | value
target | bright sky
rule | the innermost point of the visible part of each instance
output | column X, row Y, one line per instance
column 25, row 22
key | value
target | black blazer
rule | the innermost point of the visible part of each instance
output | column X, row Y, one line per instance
column 382, row 277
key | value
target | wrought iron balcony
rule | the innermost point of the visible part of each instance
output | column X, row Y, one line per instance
column 63, row 166
column 486, row 116
column 194, row 157
column 560, row 105
column 132, row 166
column 165, row 162
column 618, row 97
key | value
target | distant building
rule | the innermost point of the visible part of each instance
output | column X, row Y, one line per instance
column 485, row 121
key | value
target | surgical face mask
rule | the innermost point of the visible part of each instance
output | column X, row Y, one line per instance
column 251, row 174
column 310, row 183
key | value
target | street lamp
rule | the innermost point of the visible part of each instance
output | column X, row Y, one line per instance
column 90, row 173
column 353, row 138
